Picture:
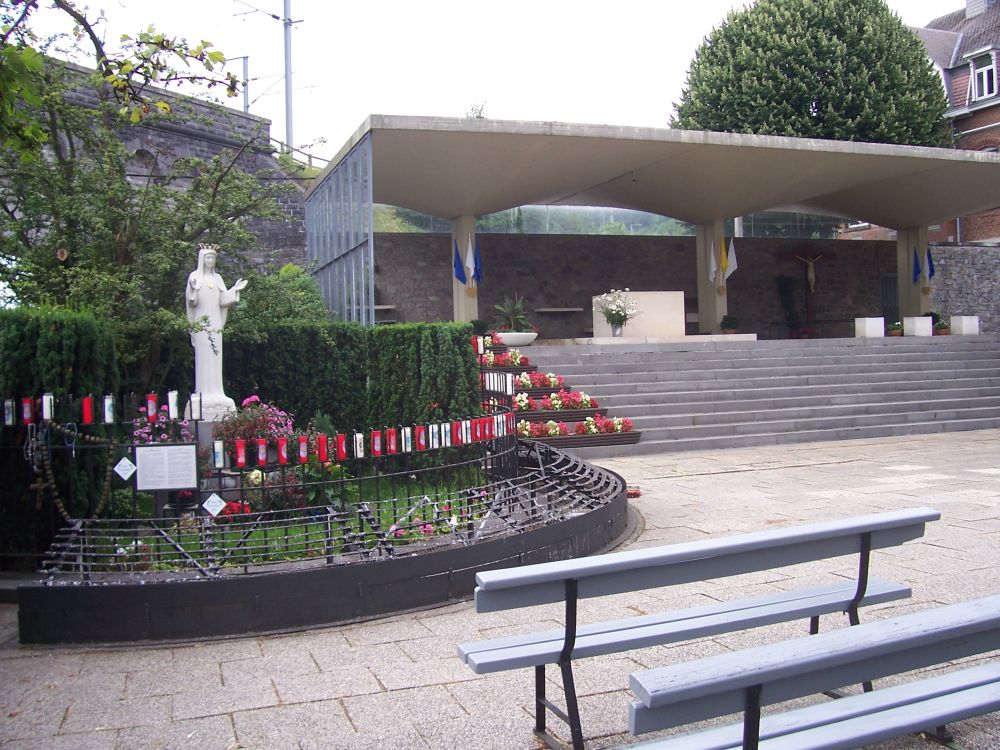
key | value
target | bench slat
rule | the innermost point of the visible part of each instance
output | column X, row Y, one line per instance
column 635, row 570
column 916, row 702
column 715, row 686
column 671, row 626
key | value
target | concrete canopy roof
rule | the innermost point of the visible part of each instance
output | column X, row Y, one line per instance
column 451, row 167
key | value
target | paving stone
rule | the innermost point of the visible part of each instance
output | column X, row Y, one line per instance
column 106, row 740
column 371, row 714
column 212, row 733
column 309, row 726
column 397, row 683
column 328, row 685
column 213, row 700
column 90, row 712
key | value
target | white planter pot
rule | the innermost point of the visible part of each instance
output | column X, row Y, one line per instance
column 517, row 338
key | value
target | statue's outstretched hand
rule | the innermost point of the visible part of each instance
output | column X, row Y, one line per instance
column 240, row 284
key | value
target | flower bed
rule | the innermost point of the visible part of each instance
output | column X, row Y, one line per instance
column 510, row 359
column 586, row 441
column 538, row 381
column 566, row 415
column 595, row 425
column 557, row 401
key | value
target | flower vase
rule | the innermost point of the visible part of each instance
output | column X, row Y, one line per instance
column 616, row 330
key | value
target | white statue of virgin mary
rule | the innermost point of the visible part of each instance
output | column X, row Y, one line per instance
column 208, row 302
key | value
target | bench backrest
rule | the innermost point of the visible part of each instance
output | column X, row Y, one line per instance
column 693, row 691
column 635, row 570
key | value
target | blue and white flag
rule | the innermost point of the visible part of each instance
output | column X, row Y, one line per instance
column 928, row 265
column 459, row 268
column 477, row 274
column 916, row 267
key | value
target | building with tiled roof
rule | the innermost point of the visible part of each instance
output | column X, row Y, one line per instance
column 964, row 46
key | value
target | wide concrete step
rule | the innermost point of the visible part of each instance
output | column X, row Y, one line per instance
column 713, row 381
column 697, row 396
column 808, row 423
column 641, row 363
column 706, row 351
column 652, row 446
column 884, row 370
column 778, row 397
column 649, row 420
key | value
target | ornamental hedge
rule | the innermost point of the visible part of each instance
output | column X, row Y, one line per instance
column 68, row 354
column 358, row 376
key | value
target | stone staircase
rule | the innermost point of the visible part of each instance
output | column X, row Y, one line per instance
column 725, row 394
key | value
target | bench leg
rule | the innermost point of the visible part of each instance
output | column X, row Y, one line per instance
column 540, row 699
column 572, row 709
column 571, row 716
column 941, row 735
column 855, row 619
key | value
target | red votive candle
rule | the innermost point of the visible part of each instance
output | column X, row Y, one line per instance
column 88, row 410
column 303, row 449
column 152, row 407
column 321, row 448
column 261, row 451
column 241, row 452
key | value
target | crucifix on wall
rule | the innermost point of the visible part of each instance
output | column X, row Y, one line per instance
column 810, row 271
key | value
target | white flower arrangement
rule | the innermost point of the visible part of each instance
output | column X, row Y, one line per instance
column 617, row 307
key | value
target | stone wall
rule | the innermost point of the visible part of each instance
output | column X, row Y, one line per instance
column 966, row 282
column 413, row 274
column 201, row 130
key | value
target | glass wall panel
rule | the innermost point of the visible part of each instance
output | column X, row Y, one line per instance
column 339, row 241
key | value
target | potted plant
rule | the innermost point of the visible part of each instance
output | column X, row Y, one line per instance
column 729, row 324
column 512, row 322
column 254, row 420
column 894, row 329
column 942, row 328
column 617, row 308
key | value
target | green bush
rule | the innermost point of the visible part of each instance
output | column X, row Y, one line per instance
column 304, row 368
column 422, row 372
column 68, row 354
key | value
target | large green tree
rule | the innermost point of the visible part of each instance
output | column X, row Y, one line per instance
column 836, row 69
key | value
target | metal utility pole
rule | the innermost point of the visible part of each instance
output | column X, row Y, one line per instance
column 287, row 21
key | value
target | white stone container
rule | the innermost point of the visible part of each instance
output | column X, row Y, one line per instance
column 869, row 328
column 964, row 325
column 919, row 326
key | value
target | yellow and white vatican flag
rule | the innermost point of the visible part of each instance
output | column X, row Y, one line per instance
column 730, row 265
column 713, row 266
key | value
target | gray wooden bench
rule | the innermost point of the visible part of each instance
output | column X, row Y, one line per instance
column 568, row 581
column 743, row 681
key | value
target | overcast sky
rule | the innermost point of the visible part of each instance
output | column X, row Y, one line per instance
column 619, row 63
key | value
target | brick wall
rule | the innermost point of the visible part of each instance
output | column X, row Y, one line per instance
column 413, row 273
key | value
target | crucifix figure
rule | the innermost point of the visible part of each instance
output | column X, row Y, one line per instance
column 810, row 270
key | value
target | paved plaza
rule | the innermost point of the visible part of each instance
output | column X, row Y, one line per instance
column 396, row 682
